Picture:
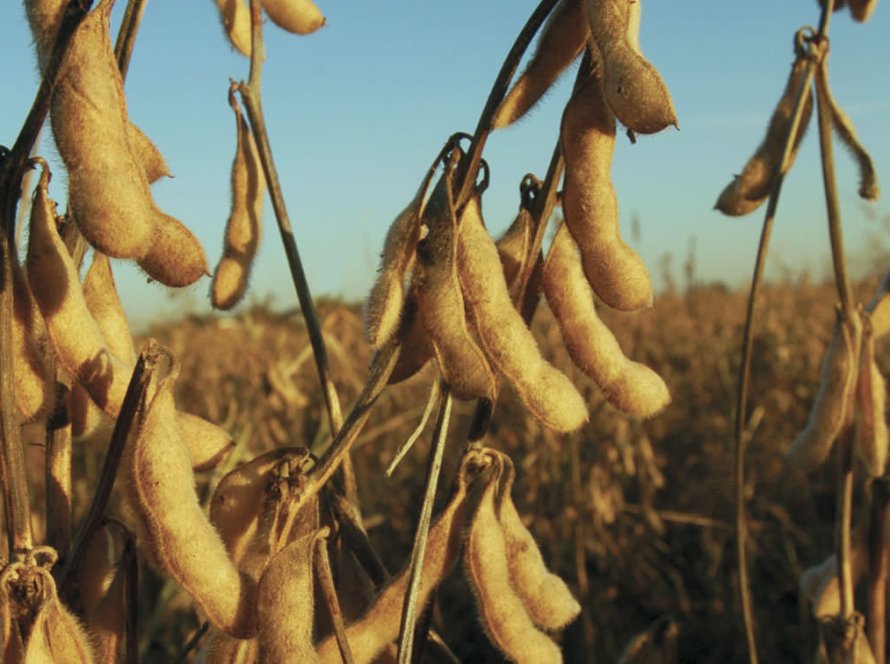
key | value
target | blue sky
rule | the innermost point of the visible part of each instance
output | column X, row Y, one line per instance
column 357, row 111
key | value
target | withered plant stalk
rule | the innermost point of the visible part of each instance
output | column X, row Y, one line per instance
column 325, row 579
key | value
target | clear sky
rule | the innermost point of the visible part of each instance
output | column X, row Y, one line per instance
column 357, row 111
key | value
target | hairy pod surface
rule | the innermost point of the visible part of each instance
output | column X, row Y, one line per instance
column 546, row 597
column 614, row 270
column 153, row 163
column 44, row 18
column 871, row 401
column 176, row 530
column 56, row 635
column 501, row 610
column 103, row 303
column 245, row 224
column 107, row 189
column 829, row 412
column 751, row 187
column 415, row 350
column 175, row 257
column 629, row 386
column 32, row 379
column 634, row 89
column 225, row 649
column 562, row 39
column 441, row 303
column 235, row 18
column 301, row 17
column 506, row 340
column 513, row 250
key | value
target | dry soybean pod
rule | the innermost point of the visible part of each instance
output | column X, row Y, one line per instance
column 33, row 395
column 301, row 17
column 829, row 412
column 224, row 649
column 441, row 304
column 820, row 584
column 76, row 339
column 614, row 270
column 380, row 625
column 245, row 224
column 862, row 9
column 751, row 187
column 103, row 302
column 286, row 601
column 56, row 635
column 235, row 17
column 513, row 247
column 415, row 350
column 176, row 257
column 501, row 610
column 634, row 89
column 562, row 39
column 871, row 402
column 507, row 342
column 177, row 532
column 629, row 386
column 101, row 583
column 44, row 18
column 546, row 597
column 108, row 192
column 153, row 163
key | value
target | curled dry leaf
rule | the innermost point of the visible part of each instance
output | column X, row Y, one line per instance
column 629, row 386
column 614, row 270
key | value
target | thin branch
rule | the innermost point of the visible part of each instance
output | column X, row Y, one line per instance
column 126, row 36
column 418, row 552
column 325, row 579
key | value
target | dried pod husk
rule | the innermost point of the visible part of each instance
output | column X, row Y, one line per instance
column 441, row 304
column 415, row 350
column 86, row 417
column 235, row 17
column 153, row 163
column 820, row 584
column 32, row 378
column 562, row 39
column 101, row 580
column 506, row 340
column 830, row 411
column 751, row 187
column 75, row 337
column 172, row 524
column 176, row 257
column 634, row 89
column 843, row 640
column 513, row 249
column 44, row 18
column 224, row 649
column 370, row 635
column 301, row 17
column 56, row 636
column 206, row 443
column 108, row 192
column 546, row 597
column 245, row 224
column 501, row 609
column 286, row 602
column 103, row 302
column 629, row 386
column 862, row 9
column 871, row 403
column 614, row 270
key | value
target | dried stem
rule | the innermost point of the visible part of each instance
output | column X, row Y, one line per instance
column 740, row 429
column 876, row 624
column 58, row 476
column 418, row 552
column 325, row 579
column 126, row 36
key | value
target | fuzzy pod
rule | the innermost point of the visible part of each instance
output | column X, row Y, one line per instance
column 44, row 18
column 108, row 192
column 415, row 349
column 32, row 377
column 86, row 417
column 174, row 528
column 615, row 271
column 300, row 17
column 513, row 249
column 224, row 649
column 235, row 18
column 830, row 409
column 104, row 304
column 245, row 223
column 871, row 402
column 501, row 610
column 861, row 9
column 153, row 164
column 634, row 90
column 206, row 443
column 101, row 580
column 286, row 602
column 176, row 257
column 370, row 635
column 751, row 187
column 507, row 342
column 546, row 597
column 441, row 303
column 820, row 584
column 629, row 386
column 56, row 635
column 75, row 337
column 562, row 39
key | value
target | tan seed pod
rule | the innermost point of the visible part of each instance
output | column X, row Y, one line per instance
column 751, row 187
column 103, row 302
column 562, row 39
column 206, row 443
column 507, row 342
column 235, row 17
column 176, row 257
column 614, row 270
column 301, row 17
column 820, row 584
column 44, row 18
column 101, row 581
column 86, row 417
column 108, row 192
column 245, row 224
column 176, row 531
column 370, row 635
column 75, row 337
column 153, row 163
column 441, row 304
column 224, row 649
column 501, row 610
column 286, row 601
column 871, row 402
column 862, row 9
column 33, row 381
column 513, row 249
column 546, row 597
column 634, row 89
column 56, row 636
column 629, row 386
column 416, row 349
column 830, row 409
